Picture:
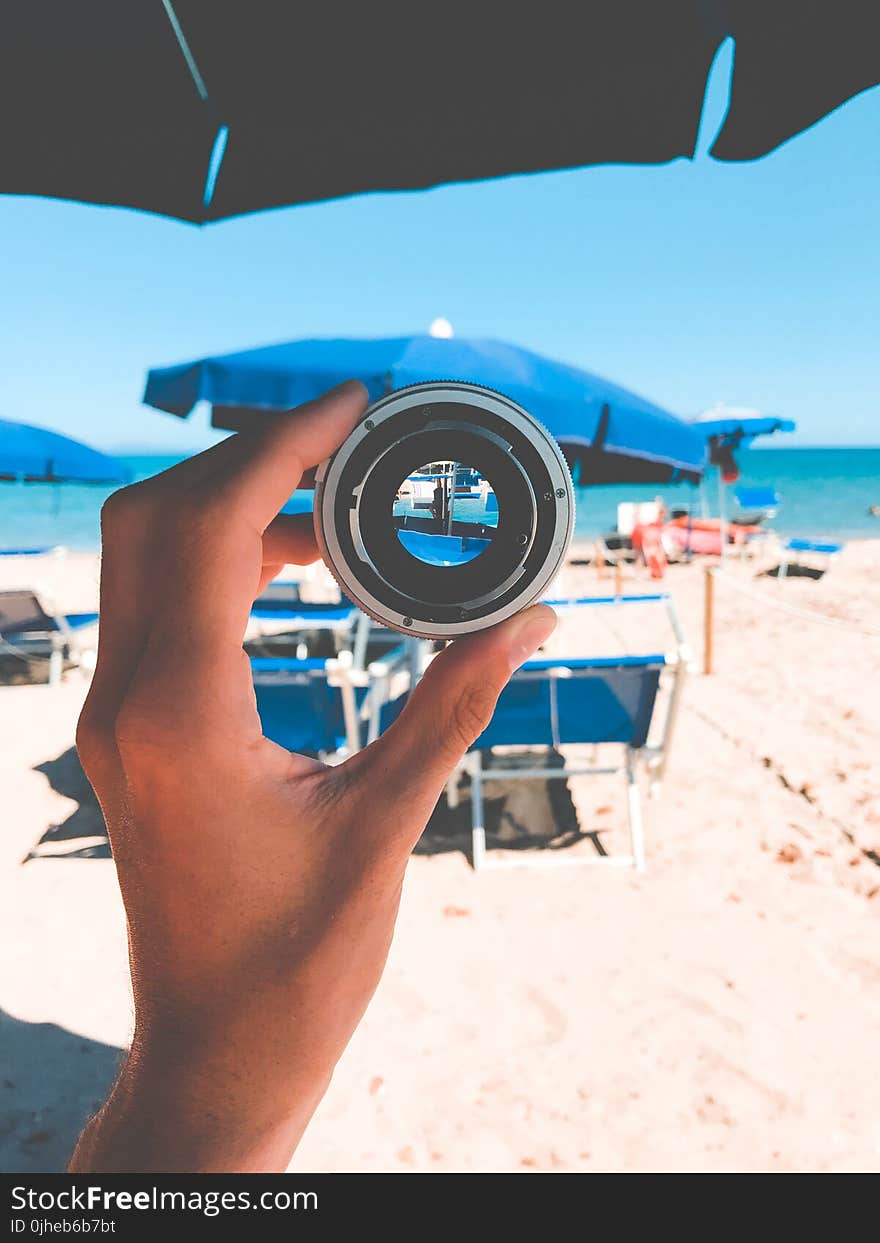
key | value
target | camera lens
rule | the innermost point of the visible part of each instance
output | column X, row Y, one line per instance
column 448, row 509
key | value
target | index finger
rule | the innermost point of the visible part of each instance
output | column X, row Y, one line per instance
column 212, row 546
column 256, row 480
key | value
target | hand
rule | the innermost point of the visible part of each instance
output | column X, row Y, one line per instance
column 261, row 888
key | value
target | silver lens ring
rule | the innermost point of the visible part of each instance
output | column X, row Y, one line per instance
column 359, row 536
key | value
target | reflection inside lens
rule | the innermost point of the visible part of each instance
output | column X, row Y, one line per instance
column 445, row 513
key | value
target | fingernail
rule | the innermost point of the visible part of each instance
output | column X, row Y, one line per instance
column 348, row 386
column 530, row 629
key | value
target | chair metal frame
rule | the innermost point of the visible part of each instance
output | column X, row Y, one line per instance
column 337, row 672
column 652, row 758
column 61, row 635
column 350, row 630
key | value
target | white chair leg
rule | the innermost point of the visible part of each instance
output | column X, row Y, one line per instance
column 56, row 665
column 452, row 789
column 634, row 811
column 478, row 828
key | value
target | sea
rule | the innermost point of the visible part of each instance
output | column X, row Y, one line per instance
column 824, row 492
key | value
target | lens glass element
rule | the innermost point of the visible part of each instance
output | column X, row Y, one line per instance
column 445, row 513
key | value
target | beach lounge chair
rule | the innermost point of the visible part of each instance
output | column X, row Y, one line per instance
column 793, row 551
column 31, row 629
column 309, row 706
column 391, row 679
column 754, row 506
column 279, row 613
column 55, row 550
column 553, row 703
column 632, row 514
column 557, row 702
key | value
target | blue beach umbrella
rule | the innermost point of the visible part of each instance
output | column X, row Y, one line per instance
column 608, row 434
column 732, row 429
column 36, row 455
column 727, row 429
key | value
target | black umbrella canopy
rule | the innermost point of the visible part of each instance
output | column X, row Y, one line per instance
column 796, row 61
column 203, row 110
column 97, row 103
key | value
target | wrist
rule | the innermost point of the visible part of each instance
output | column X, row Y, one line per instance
column 183, row 1110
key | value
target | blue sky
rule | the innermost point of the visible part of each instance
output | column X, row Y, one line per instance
column 691, row 283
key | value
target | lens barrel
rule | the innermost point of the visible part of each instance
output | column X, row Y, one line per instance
column 370, row 550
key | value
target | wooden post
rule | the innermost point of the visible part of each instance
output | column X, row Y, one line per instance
column 708, row 617
column 618, row 578
column 599, row 561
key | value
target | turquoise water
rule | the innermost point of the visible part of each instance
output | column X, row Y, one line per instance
column 823, row 492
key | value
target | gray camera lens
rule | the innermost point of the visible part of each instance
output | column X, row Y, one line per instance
column 448, row 509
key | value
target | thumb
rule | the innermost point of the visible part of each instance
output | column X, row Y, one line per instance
column 448, row 711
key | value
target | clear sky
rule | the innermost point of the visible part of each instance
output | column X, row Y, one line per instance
column 691, row 283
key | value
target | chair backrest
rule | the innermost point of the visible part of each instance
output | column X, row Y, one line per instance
column 286, row 594
column 305, row 615
column 552, row 703
column 22, row 613
column 279, row 594
column 28, row 552
column 298, row 707
column 810, row 545
column 756, row 498
column 631, row 514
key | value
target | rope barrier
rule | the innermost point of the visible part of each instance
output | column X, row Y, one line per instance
column 794, row 611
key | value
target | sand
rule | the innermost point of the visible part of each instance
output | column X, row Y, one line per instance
column 719, row 1012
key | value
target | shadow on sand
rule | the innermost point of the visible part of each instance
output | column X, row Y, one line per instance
column 794, row 571
column 519, row 815
column 531, row 815
column 51, row 1082
column 83, row 834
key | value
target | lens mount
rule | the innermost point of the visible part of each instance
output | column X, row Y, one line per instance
column 355, row 493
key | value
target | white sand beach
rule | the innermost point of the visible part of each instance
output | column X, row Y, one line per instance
column 719, row 1012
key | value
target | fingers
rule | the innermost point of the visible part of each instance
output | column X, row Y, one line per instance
column 214, row 552
column 222, row 457
column 192, row 528
column 183, row 553
column 450, row 708
column 290, row 540
column 256, row 482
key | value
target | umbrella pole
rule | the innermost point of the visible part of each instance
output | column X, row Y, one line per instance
column 722, row 509
column 450, row 504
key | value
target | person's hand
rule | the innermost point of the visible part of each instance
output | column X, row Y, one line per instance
column 261, row 888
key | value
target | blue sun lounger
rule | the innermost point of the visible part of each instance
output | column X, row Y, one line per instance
column 756, row 504
column 309, row 706
column 557, row 702
column 793, row 550
column 32, row 552
column 549, row 703
column 442, row 549
column 281, row 604
column 31, row 629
